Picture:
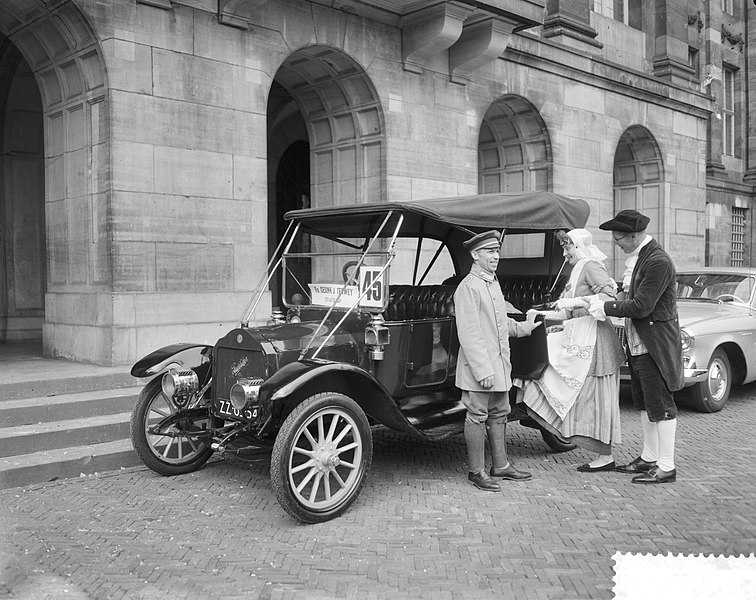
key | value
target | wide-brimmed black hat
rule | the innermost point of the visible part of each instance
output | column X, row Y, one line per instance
column 487, row 239
column 626, row 221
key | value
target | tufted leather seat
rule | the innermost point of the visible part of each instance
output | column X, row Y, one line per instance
column 525, row 291
column 413, row 302
column 410, row 302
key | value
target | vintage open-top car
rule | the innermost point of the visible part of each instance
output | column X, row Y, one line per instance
column 363, row 335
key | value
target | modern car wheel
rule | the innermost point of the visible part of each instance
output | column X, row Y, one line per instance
column 180, row 450
column 321, row 457
column 712, row 394
column 556, row 442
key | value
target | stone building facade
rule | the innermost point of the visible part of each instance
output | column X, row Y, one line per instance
column 149, row 148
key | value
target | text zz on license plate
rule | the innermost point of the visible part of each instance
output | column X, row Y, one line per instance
column 224, row 408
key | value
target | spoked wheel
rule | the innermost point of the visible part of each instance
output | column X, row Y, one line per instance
column 712, row 394
column 321, row 456
column 556, row 442
column 167, row 454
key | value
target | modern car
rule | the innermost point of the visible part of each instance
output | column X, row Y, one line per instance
column 716, row 306
column 361, row 335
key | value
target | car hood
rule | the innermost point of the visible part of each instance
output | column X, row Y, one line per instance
column 709, row 315
column 296, row 336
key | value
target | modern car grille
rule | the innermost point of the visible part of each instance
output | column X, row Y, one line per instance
column 234, row 364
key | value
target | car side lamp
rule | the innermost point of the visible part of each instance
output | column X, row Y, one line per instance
column 376, row 336
column 276, row 317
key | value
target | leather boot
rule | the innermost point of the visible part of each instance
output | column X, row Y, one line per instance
column 497, row 437
column 475, row 438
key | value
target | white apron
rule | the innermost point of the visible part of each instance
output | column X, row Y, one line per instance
column 570, row 355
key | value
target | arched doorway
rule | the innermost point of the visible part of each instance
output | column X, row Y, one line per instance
column 22, row 208
column 292, row 193
column 55, row 159
column 638, row 182
column 514, row 149
column 325, row 137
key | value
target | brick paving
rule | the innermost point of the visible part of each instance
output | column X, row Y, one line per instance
column 418, row 530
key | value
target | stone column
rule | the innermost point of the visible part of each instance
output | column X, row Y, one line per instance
column 569, row 22
column 670, row 60
column 749, row 114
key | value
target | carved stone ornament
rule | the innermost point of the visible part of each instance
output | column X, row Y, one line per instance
column 734, row 39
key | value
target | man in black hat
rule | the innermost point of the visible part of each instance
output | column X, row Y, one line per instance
column 483, row 366
column 654, row 349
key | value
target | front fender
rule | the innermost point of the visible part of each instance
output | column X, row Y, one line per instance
column 296, row 381
column 183, row 356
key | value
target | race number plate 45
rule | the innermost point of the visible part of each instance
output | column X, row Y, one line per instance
column 373, row 287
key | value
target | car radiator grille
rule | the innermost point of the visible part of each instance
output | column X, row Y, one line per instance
column 234, row 364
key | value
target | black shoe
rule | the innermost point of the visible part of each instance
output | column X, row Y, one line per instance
column 637, row 466
column 656, row 475
column 586, row 468
column 482, row 481
column 509, row 472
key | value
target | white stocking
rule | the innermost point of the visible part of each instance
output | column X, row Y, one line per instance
column 667, row 430
column 650, row 438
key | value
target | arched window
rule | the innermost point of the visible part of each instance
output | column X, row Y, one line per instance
column 638, row 181
column 514, row 150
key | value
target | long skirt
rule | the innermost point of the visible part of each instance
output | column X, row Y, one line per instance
column 592, row 423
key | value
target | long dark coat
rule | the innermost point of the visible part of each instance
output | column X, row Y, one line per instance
column 652, row 307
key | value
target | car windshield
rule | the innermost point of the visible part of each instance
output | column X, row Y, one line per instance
column 715, row 287
column 319, row 272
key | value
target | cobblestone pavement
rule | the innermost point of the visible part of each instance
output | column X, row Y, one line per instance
column 418, row 530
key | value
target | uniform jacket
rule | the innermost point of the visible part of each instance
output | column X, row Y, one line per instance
column 483, row 329
column 652, row 307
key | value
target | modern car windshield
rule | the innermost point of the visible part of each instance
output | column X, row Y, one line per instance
column 719, row 287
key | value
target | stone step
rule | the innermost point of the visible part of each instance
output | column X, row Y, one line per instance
column 26, row 439
column 28, row 411
column 63, row 463
column 14, row 387
column 44, row 438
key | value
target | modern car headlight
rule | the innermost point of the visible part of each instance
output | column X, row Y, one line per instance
column 688, row 340
column 244, row 393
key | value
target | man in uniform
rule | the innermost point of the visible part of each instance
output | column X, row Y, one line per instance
column 483, row 366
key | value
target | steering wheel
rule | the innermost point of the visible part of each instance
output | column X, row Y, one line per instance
column 721, row 297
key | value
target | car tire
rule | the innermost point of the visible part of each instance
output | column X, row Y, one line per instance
column 556, row 442
column 164, row 454
column 321, row 457
column 712, row 394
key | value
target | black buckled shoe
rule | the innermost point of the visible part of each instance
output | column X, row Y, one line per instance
column 509, row 472
column 482, row 481
column 656, row 475
column 637, row 466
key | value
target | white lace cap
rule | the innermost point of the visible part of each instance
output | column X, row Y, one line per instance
column 584, row 247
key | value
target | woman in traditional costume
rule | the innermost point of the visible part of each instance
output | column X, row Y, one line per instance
column 577, row 397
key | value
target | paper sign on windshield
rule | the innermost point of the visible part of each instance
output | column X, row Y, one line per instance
column 325, row 294
column 373, row 287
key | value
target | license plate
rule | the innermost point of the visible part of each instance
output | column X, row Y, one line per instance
column 224, row 408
